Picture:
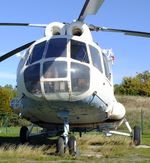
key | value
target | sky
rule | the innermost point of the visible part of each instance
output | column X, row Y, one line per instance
column 132, row 54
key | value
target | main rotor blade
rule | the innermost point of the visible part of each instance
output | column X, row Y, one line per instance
column 90, row 7
column 23, row 24
column 15, row 51
column 126, row 32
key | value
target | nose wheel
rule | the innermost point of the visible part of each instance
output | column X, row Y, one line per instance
column 72, row 145
column 65, row 141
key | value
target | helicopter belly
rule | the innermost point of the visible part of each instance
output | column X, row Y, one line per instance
column 79, row 112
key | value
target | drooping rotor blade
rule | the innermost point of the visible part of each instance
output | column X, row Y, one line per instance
column 15, row 51
column 126, row 32
column 90, row 8
column 23, row 24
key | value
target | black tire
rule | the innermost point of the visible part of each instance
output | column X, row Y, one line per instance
column 60, row 146
column 24, row 135
column 72, row 145
column 137, row 135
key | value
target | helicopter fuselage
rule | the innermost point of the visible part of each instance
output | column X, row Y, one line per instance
column 66, row 75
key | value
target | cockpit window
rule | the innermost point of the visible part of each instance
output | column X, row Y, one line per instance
column 106, row 66
column 56, row 48
column 37, row 52
column 95, row 55
column 55, row 69
column 80, row 78
column 32, row 79
column 79, row 51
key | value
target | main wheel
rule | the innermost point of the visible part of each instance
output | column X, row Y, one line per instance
column 24, row 135
column 72, row 145
column 60, row 146
column 137, row 135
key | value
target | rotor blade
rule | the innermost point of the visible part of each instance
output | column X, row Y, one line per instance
column 23, row 24
column 90, row 7
column 126, row 32
column 15, row 51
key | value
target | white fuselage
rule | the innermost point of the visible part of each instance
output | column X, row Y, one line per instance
column 66, row 75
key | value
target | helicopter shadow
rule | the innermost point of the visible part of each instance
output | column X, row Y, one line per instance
column 35, row 141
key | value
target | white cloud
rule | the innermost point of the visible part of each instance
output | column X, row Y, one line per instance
column 7, row 75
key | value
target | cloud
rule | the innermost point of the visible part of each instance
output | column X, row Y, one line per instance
column 7, row 75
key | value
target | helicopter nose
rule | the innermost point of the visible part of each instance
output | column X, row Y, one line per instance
column 57, row 79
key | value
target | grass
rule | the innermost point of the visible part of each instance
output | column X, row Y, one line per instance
column 92, row 147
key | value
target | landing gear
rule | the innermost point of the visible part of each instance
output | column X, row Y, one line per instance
column 72, row 145
column 65, row 141
column 60, row 146
column 137, row 135
column 24, row 135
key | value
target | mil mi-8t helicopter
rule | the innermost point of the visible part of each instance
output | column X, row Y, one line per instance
column 65, row 82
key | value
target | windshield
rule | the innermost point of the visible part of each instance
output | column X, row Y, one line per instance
column 79, row 51
column 80, row 78
column 56, row 48
column 32, row 79
column 55, row 69
column 36, row 53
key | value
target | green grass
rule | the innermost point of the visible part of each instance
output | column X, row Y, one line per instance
column 92, row 147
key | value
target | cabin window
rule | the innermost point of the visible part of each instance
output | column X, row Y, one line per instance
column 32, row 79
column 106, row 66
column 37, row 52
column 96, row 59
column 55, row 69
column 56, row 48
column 79, row 51
column 80, row 78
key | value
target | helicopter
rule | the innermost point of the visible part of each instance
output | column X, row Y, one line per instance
column 65, row 82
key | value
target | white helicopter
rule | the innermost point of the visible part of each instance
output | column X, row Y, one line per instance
column 65, row 82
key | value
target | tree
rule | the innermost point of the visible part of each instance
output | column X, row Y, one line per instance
column 6, row 94
column 138, row 85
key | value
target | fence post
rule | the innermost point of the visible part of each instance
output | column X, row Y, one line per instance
column 142, row 121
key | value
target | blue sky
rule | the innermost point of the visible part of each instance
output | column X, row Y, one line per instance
column 132, row 53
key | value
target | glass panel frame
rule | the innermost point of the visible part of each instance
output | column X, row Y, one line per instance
column 80, row 78
column 96, row 58
column 32, row 79
column 57, row 47
column 106, row 67
column 37, row 52
column 55, row 87
column 79, row 51
column 55, row 69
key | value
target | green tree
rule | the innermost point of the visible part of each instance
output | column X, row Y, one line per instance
column 138, row 85
column 6, row 94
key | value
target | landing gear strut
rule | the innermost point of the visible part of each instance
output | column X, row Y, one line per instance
column 135, row 134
